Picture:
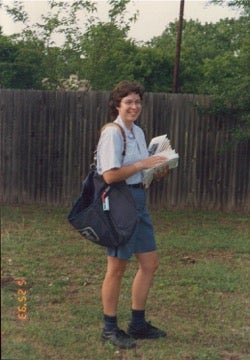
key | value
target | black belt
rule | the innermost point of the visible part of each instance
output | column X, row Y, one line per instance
column 137, row 186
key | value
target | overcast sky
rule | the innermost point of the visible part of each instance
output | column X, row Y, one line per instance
column 154, row 15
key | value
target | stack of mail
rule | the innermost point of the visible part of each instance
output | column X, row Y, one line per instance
column 160, row 145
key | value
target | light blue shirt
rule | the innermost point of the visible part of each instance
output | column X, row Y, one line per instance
column 110, row 148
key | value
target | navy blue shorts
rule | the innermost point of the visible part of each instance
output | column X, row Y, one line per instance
column 143, row 239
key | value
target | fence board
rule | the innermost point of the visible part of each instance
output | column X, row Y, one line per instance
column 48, row 139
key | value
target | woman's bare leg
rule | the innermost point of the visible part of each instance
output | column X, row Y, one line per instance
column 148, row 264
column 112, row 284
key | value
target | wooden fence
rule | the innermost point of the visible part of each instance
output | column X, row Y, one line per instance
column 48, row 139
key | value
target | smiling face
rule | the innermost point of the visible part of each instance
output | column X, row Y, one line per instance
column 130, row 108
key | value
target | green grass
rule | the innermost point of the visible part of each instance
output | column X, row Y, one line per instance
column 200, row 295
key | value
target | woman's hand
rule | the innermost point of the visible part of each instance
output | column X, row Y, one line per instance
column 150, row 162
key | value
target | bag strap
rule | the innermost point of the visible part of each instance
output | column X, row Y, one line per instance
column 122, row 131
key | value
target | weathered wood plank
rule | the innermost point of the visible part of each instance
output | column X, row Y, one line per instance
column 48, row 139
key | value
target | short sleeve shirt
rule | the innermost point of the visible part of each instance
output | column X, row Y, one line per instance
column 110, row 149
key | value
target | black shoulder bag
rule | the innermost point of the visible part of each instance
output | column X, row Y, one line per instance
column 104, row 214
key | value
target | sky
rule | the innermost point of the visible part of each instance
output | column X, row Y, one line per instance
column 154, row 15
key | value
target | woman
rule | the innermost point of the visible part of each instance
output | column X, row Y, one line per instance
column 125, row 107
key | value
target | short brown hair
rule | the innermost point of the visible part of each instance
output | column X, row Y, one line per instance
column 124, row 88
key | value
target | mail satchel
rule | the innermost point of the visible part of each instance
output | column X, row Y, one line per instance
column 104, row 214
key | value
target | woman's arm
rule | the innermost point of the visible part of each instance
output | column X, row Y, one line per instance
column 124, row 172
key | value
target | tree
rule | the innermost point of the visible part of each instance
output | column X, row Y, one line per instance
column 203, row 43
column 7, row 55
column 63, row 18
column 153, row 69
column 51, row 61
column 243, row 5
column 108, row 56
column 231, row 92
column 107, row 52
column 231, row 96
column 91, row 49
column 20, row 63
column 215, row 60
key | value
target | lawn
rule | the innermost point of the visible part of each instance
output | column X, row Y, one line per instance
column 51, row 281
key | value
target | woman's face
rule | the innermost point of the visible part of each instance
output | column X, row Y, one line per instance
column 130, row 108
